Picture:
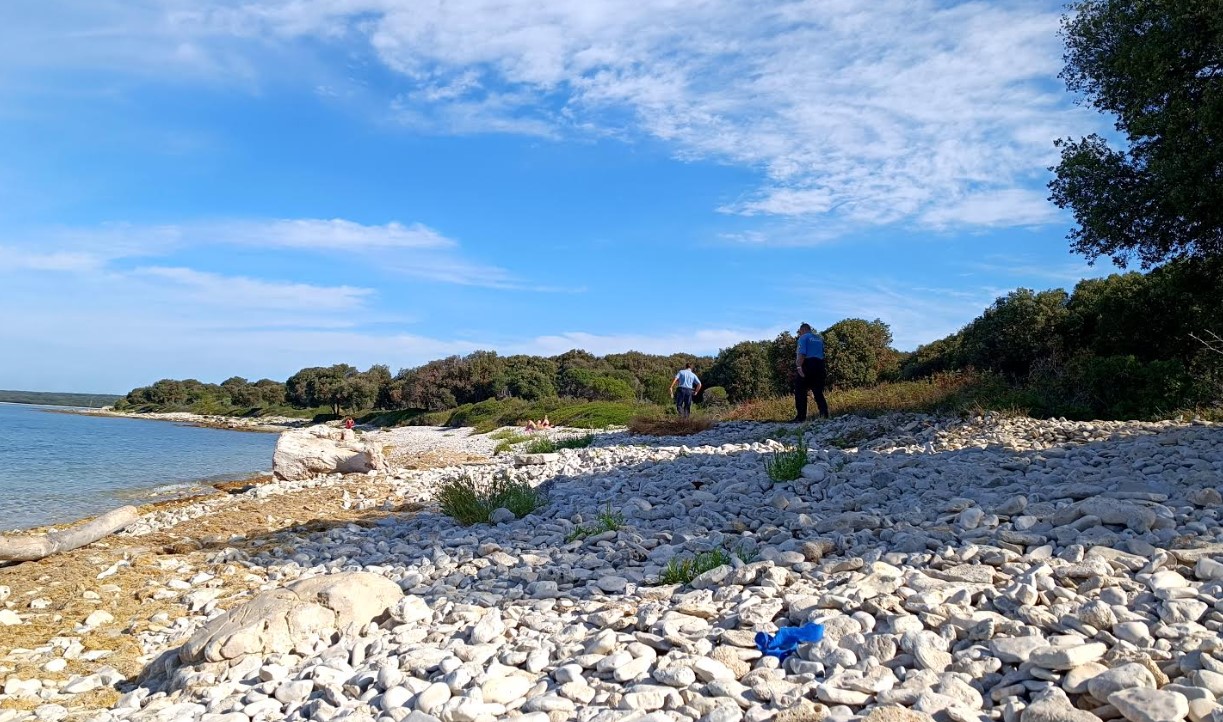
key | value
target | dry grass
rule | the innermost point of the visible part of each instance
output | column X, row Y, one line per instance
column 669, row 426
column 961, row 392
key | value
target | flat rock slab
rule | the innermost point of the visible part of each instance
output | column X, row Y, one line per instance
column 277, row 621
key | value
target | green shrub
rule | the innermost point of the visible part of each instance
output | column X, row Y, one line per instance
column 575, row 442
column 788, row 465
column 517, row 496
column 462, row 499
column 469, row 502
column 541, row 445
column 715, row 396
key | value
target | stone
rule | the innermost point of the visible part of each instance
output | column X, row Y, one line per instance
column 1136, row 633
column 1063, row 658
column 613, row 584
column 893, row 713
column 98, row 618
column 1052, row 705
column 9, row 618
column 277, row 621
column 708, row 670
column 396, row 698
column 1126, row 676
column 1077, row 679
column 502, row 690
column 432, row 697
column 1016, row 650
column 1208, row 569
column 306, row 453
column 1140, row 704
column 501, row 515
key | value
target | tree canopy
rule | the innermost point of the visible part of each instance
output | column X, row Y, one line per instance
column 1157, row 67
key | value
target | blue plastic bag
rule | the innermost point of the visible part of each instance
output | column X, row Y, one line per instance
column 787, row 639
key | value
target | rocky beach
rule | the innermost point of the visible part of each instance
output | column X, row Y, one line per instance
column 992, row 568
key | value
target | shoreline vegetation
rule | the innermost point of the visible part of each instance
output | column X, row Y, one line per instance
column 1128, row 346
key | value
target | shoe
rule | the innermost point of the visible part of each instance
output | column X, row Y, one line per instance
column 796, row 420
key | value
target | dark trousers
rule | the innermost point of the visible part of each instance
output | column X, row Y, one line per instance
column 683, row 402
column 814, row 374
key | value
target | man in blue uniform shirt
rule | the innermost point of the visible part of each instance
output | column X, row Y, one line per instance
column 689, row 386
column 812, row 372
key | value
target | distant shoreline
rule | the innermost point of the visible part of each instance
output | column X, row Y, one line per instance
column 264, row 425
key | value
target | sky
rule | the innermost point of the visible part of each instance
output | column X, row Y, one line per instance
column 210, row 188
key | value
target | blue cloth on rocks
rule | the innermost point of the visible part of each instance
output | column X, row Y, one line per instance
column 787, row 639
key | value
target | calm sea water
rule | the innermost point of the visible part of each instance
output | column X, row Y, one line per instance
column 58, row 467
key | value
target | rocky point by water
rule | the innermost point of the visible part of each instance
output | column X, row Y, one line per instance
column 989, row 569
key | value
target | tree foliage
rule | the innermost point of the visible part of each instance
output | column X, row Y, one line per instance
column 1157, row 67
column 857, row 352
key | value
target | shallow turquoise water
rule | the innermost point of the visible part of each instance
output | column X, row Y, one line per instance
column 57, row 467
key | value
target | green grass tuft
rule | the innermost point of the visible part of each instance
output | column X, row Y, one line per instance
column 683, row 570
column 608, row 520
column 469, row 502
column 788, row 465
column 541, row 445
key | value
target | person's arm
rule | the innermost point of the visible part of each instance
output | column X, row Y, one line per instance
column 696, row 389
column 799, row 357
column 674, row 381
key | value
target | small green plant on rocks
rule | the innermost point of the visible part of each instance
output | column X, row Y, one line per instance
column 607, row 520
column 682, row 571
column 471, row 502
column 542, row 445
column 507, row 440
column 576, row 442
column 788, row 465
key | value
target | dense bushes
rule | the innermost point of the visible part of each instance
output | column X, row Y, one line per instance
column 1120, row 346
column 1115, row 347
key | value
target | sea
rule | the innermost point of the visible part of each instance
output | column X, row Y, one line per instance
column 58, row 467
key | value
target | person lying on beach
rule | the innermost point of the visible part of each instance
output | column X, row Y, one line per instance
column 530, row 425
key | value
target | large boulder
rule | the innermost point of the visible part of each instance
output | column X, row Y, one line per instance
column 304, row 453
column 281, row 621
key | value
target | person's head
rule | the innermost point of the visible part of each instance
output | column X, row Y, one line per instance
column 804, row 328
column 688, row 366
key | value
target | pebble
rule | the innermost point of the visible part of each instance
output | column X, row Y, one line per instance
column 987, row 569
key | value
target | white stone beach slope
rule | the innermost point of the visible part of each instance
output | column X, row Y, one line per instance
column 989, row 569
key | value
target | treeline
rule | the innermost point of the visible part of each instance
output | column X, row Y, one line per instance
column 859, row 353
column 52, row 398
column 1118, row 347
column 1127, row 346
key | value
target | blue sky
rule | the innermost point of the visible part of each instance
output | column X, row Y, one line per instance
column 208, row 188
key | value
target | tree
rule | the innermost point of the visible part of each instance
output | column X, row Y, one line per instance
column 1019, row 329
column 743, row 370
column 856, row 351
column 1158, row 68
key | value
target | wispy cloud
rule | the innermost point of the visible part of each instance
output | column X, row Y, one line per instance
column 250, row 293
column 412, row 250
column 16, row 259
column 898, row 111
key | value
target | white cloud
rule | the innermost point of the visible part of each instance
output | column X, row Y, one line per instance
column 335, row 234
column 249, row 293
column 413, row 250
column 895, row 111
column 1011, row 207
column 16, row 259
